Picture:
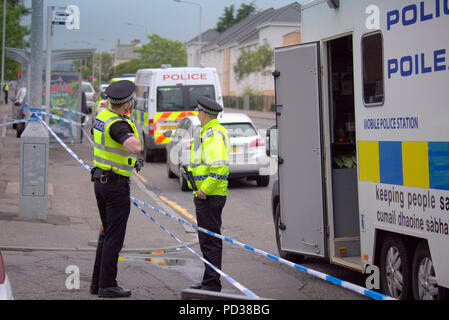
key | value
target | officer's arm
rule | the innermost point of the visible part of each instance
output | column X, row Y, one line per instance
column 122, row 133
column 218, row 170
column 132, row 144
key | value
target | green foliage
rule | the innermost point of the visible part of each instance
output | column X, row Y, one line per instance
column 85, row 67
column 152, row 55
column 15, row 33
column 129, row 67
column 162, row 51
column 228, row 19
column 253, row 61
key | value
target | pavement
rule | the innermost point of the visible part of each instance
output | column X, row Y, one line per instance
column 73, row 221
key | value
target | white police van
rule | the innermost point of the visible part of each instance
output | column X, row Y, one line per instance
column 164, row 97
column 363, row 141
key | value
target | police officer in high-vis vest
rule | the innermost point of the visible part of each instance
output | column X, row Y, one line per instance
column 209, row 165
column 116, row 148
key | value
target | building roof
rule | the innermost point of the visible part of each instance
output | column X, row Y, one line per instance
column 206, row 36
column 249, row 26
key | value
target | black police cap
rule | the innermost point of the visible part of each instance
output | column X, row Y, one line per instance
column 120, row 92
column 209, row 105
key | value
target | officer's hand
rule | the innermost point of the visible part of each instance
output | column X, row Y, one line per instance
column 201, row 194
column 139, row 165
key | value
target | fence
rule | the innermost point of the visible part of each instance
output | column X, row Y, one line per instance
column 256, row 102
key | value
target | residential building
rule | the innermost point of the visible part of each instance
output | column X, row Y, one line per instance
column 275, row 27
column 125, row 52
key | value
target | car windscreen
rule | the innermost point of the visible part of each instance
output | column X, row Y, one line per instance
column 239, row 129
column 182, row 98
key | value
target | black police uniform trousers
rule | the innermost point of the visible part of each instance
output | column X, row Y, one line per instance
column 208, row 215
column 113, row 200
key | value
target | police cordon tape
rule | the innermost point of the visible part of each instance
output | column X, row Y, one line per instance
column 13, row 122
column 235, row 283
column 350, row 286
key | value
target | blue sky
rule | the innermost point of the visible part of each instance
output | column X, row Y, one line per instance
column 103, row 22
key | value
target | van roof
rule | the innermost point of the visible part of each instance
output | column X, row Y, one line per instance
column 154, row 70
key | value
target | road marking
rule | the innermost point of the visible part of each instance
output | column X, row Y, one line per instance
column 180, row 209
column 140, row 177
column 160, row 203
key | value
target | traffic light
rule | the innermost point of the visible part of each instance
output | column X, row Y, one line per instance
column 91, row 79
column 20, row 74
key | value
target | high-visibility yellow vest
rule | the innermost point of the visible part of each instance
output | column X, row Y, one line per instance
column 209, row 159
column 108, row 153
column 6, row 87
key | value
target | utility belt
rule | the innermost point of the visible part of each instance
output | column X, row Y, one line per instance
column 106, row 176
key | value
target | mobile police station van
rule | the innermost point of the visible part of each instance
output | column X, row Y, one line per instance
column 363, row 142
column 164, row 97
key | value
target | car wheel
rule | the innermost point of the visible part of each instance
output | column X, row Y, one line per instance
column 148, row 155
column 263, row 181
column 183, row 181
column 170, row 173
column 395, row 265
column 424, row 282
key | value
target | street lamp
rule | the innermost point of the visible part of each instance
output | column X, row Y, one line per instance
column 200, row 39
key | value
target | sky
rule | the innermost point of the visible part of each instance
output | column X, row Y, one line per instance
column 104, row 22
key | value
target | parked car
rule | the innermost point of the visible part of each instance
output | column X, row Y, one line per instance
column 91, row 96
column 247, row 159
column 5, row 285
column 17, row 110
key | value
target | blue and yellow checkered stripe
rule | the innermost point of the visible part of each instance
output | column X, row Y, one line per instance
column 419, row 164
column 141, row 117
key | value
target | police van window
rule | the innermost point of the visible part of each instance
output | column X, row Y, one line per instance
column 169, row 99
column 182, row 98
column 196, row 91
column 372, row 67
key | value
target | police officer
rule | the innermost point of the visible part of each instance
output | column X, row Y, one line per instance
column 116, row 148
column 210, row 169
column 6, row 91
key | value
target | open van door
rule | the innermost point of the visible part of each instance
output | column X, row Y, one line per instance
column 301, row 186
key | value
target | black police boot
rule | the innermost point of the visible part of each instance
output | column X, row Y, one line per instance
column 93, row 288
column 196, row 286
column 113, row 292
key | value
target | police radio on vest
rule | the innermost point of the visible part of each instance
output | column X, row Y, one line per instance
column 189, row 76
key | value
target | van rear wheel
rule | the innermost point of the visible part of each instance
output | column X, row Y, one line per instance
column 278, row 226
column 425, row 286
column 395, row 268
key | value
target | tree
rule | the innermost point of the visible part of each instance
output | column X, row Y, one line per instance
column 15, row 33
column 253, row 61
column 85, row 67
column 162, row 51
column 228, row 19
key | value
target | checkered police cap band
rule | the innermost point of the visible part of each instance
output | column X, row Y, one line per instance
column 121, row 101
column 200, row 107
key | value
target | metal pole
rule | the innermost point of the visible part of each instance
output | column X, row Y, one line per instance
column 37, row 28
column 99, row 76
column 199, row 50
column 48, row 65
column 3, row 49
